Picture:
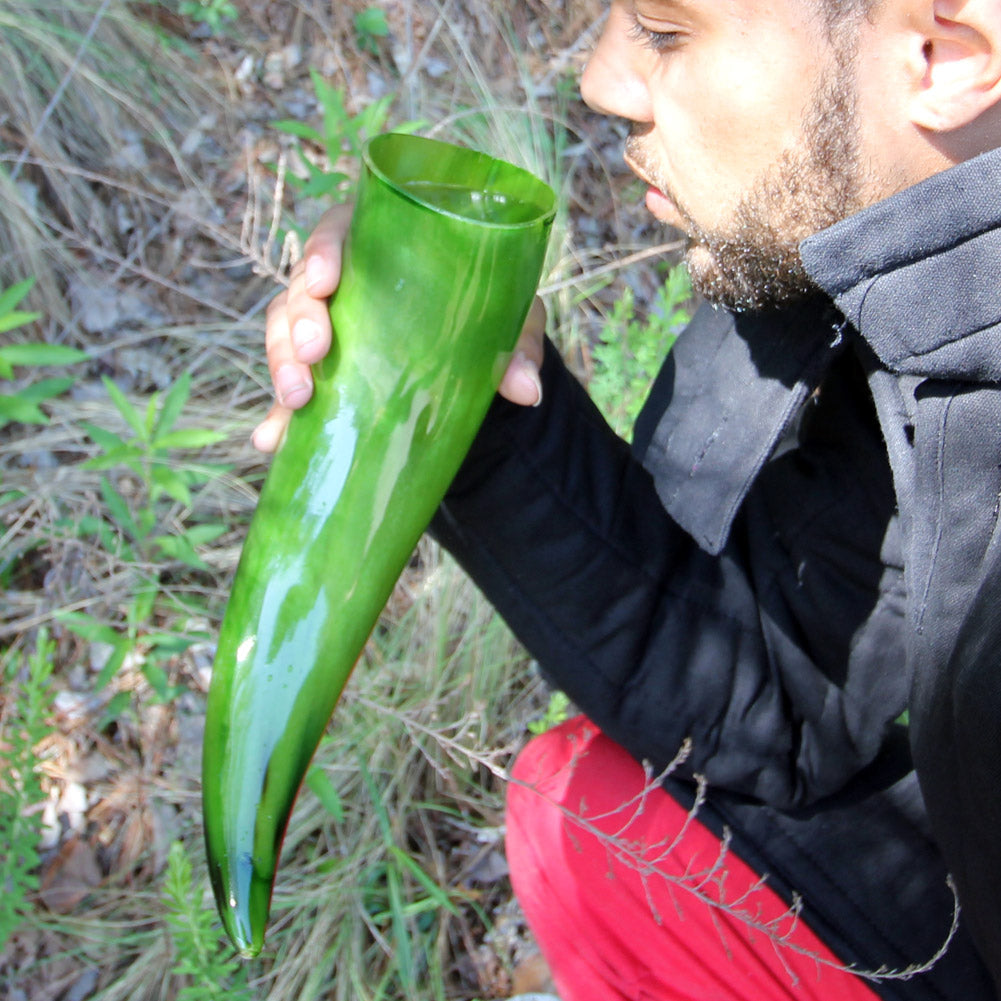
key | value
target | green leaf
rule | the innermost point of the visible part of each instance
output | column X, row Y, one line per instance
column 170, row 644
column 127, row 455
column 146, row 520
column 170, row 482
column 296, row 128
column 381, row 815
column 107, row 440
column 409, row 128
column 119, row 510
column 190, row 438
column 173, row 404
column 160, row 682
column 177, row 547
column 203, row 472
column 125, row 408
column 321, row 786
column 372, row 21
column 89, row 526
column 324, row 184
column 18, row 319
column 373, row 119
column 141, row 609
column 201, row 535
column 331, row 98
column 335, row 115
column 39, row 354
column 87, row 627
column 112, row 666
column 397, row 909
column 22, row 406
column 12, row 296
column 151, row 407
column 434, row 891
column 370, row 25
column 116, row 706
column 16, row 408
column 29, row 695
column 46, row 389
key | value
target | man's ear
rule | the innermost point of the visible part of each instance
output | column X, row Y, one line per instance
column 959, row 64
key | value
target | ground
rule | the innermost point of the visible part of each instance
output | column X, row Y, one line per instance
column 153, row 215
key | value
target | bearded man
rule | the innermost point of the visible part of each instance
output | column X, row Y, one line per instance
column 800, row 544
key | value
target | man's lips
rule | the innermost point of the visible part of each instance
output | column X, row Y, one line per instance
column 660, row 206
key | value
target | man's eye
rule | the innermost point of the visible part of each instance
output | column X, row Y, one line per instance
column 658, row 41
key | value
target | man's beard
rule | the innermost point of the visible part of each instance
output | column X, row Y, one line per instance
column 754, row 263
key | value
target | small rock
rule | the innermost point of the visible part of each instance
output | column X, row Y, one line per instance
column 273, row 75
column 75, row 707
column 436, row 68
column 489, row 869
column 73, row 805
column 531, row 976
column 29, row 194
column 84, row 987
column 99, row 655
column 102, row 307
column 378, row 86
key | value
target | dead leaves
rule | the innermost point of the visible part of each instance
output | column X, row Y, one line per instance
column 70, row 876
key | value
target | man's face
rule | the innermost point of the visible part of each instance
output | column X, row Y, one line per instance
column 745, row 128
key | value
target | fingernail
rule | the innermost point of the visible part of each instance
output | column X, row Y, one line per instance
column 269, row 436
column 315, row 272
column 530, row 371
column 304, row 332
column 533, row 374
column 260, row 438
column 292, row 390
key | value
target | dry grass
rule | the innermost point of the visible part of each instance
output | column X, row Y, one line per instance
column 89, row 88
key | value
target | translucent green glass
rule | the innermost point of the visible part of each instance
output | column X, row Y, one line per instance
column 440, row 267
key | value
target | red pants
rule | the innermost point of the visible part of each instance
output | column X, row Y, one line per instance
column 622, row 889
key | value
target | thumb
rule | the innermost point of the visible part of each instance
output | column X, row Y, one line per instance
column 521, row 383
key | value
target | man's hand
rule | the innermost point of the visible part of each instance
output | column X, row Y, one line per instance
column 298, row 333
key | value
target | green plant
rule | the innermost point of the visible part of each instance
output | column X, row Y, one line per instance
column 138, row 637
column 150, row 454
column 631, row 351
column 146, row 531
column 557, row 711
column 26, row 706
column 340, row 135
column 385, row 898
column 200, row 958
column 23, row 405
column 370, row 25
column 212, row 13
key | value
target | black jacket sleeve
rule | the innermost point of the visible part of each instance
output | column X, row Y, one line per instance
column 780, row 657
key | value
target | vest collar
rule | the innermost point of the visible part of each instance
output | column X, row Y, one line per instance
column 915, row 275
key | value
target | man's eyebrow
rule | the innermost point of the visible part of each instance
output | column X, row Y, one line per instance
column 668, row 6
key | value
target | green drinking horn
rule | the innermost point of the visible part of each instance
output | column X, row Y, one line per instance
column 440, row 267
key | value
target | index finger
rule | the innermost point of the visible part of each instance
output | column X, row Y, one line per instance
column 322, row 252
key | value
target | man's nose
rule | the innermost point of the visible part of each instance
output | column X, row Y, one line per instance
column 613, row 82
